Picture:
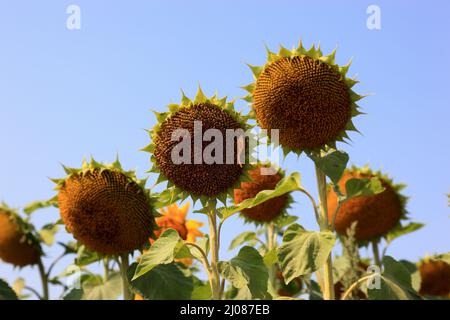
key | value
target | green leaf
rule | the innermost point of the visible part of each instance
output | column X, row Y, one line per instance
column 332, row 164
column 201, row 291
column 163, row 282
column 303, row 252
column 285, row 185
column 362, row 187
column 247, row 269
column 95, row 288
column 395, row 282
column 243, row 238
column 161, row 252
column 403, row 230
column 270, row 258
column 32, row 207
column 18, row 286
column 74, row 294
column 86, row 257
column 6, row 293
column 285, row 221
column 48, row 232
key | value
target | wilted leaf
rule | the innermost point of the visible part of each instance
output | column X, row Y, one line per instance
column 247, row 269
column 303, row 252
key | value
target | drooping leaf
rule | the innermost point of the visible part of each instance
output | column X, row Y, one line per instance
column 395, row 283
column 95, row 288
column 247, row 269
column 303, row 252
column 332, row 164
column 403, row 230
column 242, row 238
column 163, row 282
column 287, row 184
column 161, row 252
column 6, row 293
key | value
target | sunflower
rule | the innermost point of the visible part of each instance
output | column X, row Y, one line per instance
column 306, row 96
column 175, row 217
column 106, row 208
column 435, row 278
column 375, row 215
column 192, row 177
column 19, row 244
column 269, row 210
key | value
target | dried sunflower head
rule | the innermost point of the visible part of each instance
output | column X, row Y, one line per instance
column 188, row 123
column 270, row 210
column 106, row 208
column 19, row 244
column 435, row 278
column 305, row 95
column 375, row 215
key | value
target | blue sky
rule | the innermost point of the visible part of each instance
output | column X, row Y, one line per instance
column 67, row 94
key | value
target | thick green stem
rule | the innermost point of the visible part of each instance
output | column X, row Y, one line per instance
column 44, row 279
column 376, row 253
column 214, row 276
column 124, row 263
column 328, row 284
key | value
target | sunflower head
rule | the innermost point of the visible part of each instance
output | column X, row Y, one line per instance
column 263, row 177
column 435, row 278
column 19, row 244
column 175, row 217
column 186, row 124
column 306, row 96
column 106, row 208
column 375, row 215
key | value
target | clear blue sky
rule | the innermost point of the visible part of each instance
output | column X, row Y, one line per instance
column 68, row 94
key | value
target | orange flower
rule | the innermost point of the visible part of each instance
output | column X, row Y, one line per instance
column 175, row 217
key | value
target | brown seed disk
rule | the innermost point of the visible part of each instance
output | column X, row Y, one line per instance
column 106, row 211
column 268, row 210
column 435, row 277
column 200, row 179
column 307, row 100
column 375, row 214
column 14, row 248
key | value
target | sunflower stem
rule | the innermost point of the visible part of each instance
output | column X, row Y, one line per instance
column 124, row 263
column 328, row 284
column 271, row 244
column 214, row 276
column 376, row 253
column 44, row 279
